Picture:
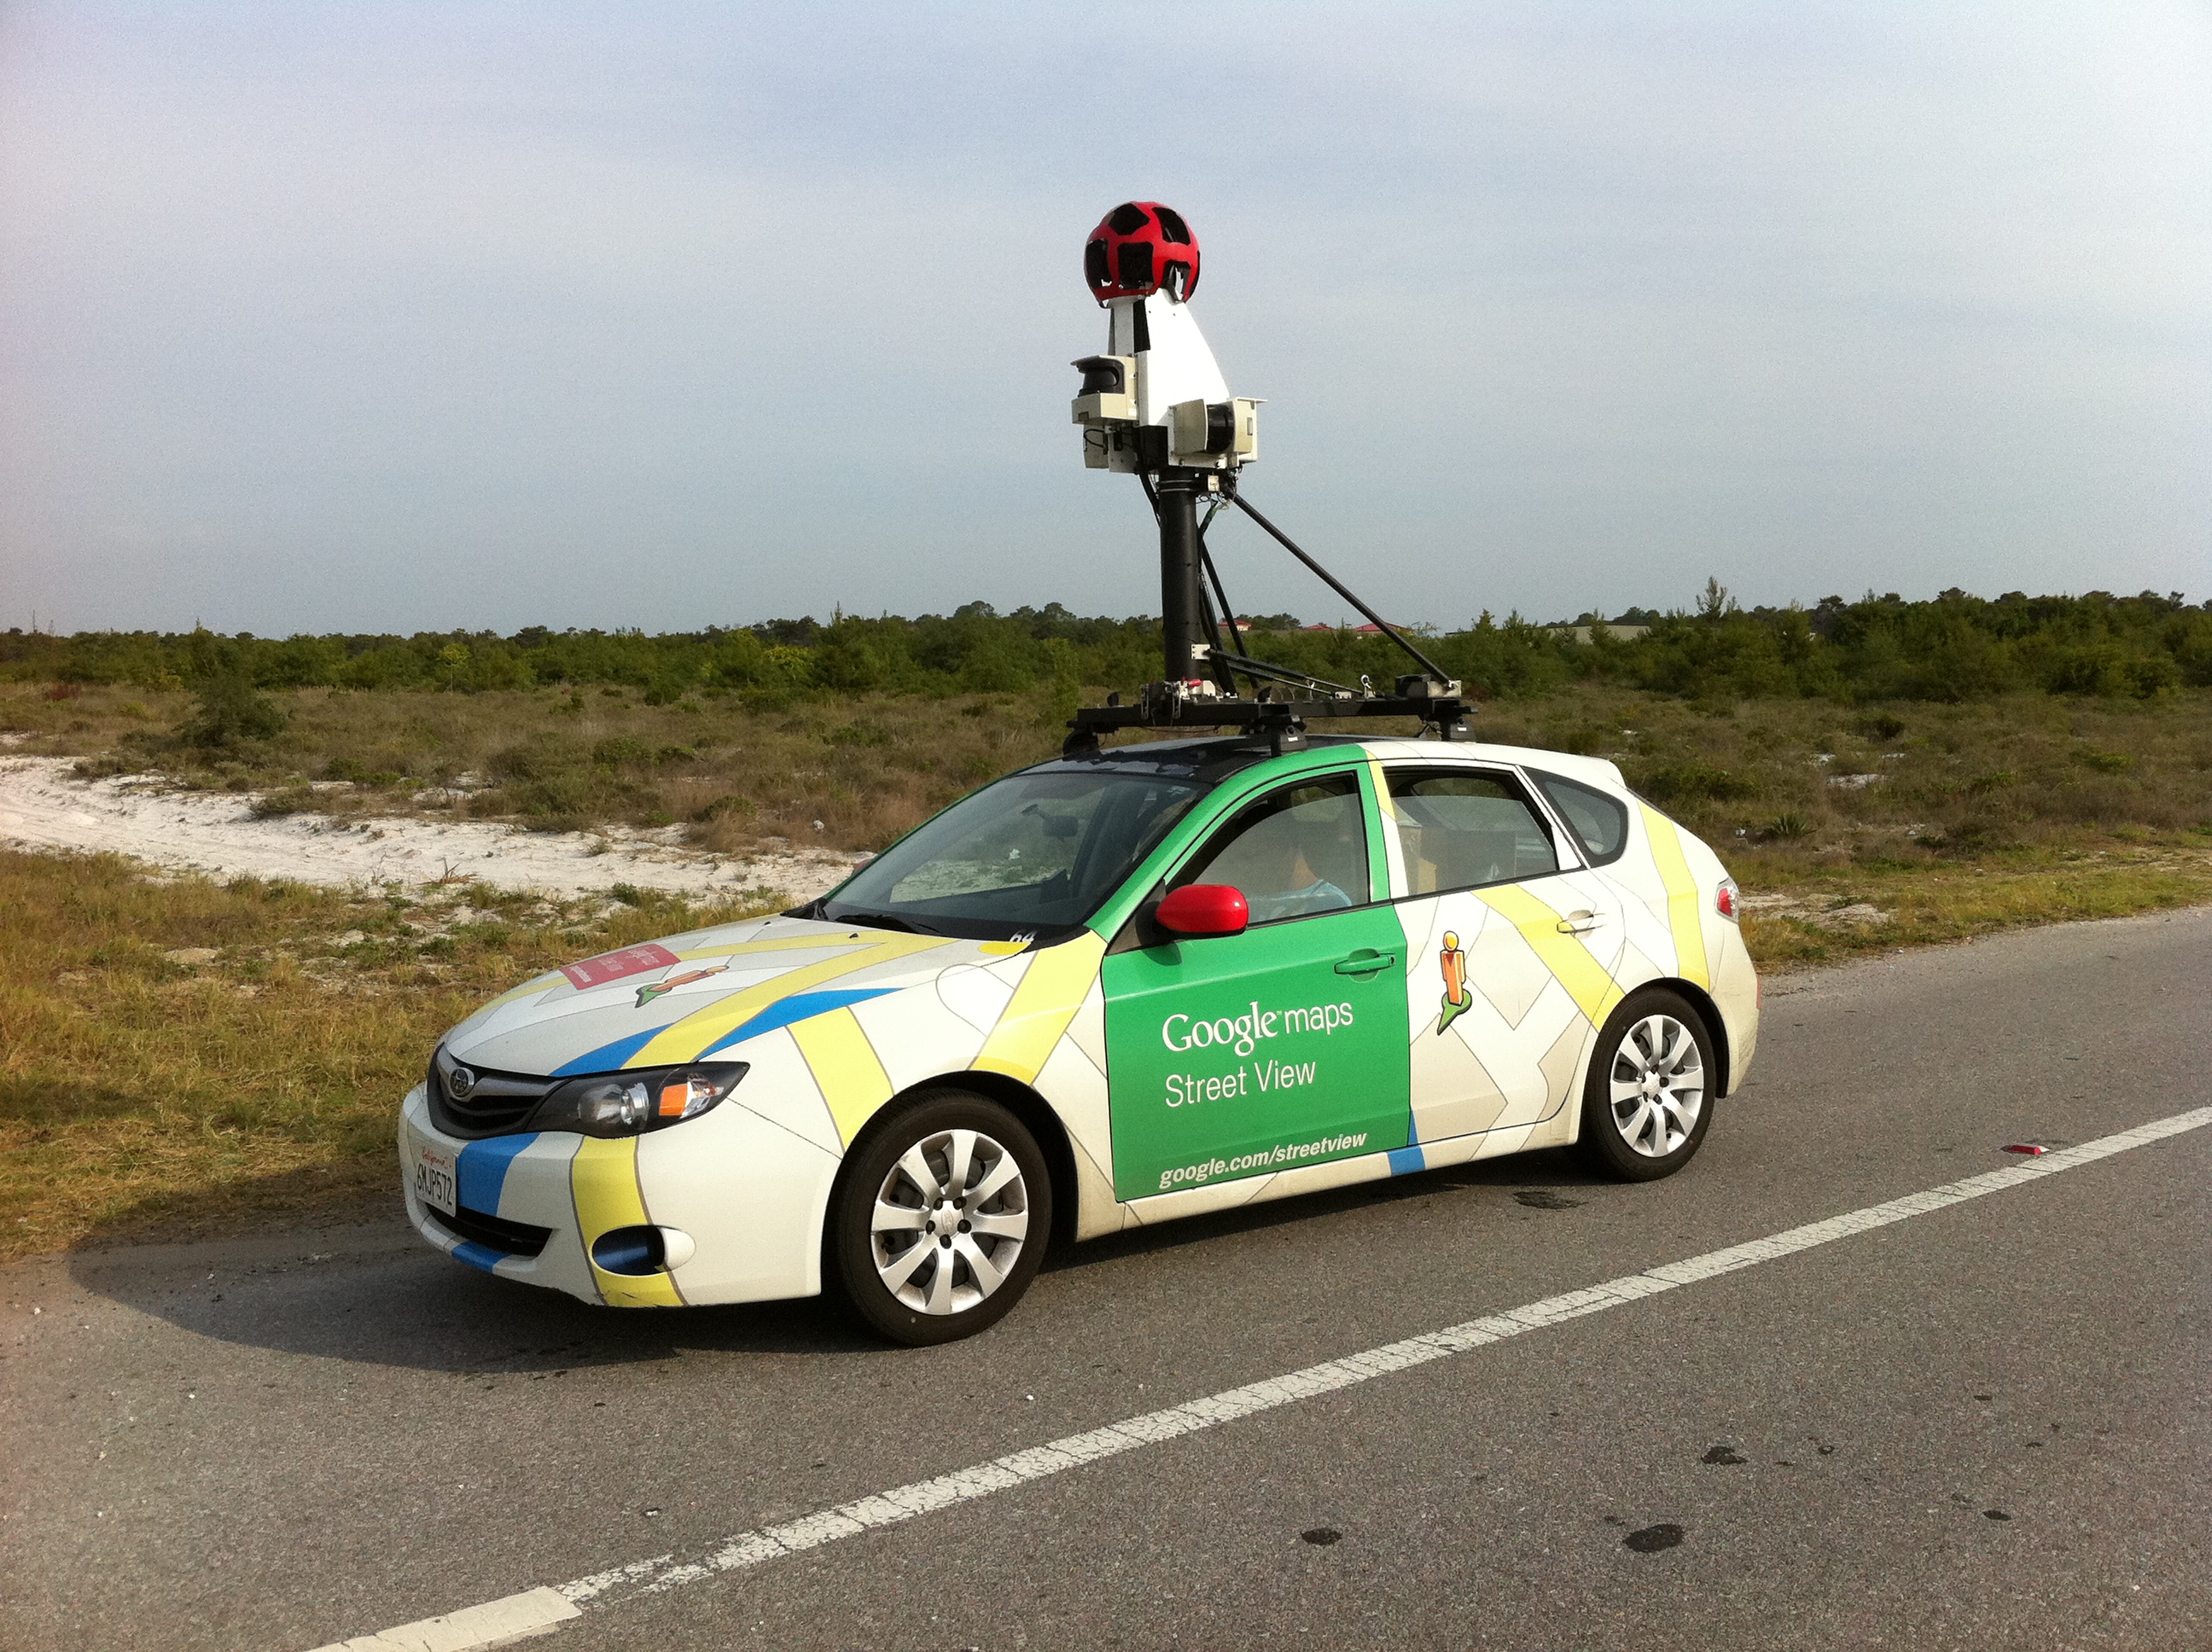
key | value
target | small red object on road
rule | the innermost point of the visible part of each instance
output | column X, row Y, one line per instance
column 2027, row 1147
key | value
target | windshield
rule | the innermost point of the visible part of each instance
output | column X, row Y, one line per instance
column 1033, row 854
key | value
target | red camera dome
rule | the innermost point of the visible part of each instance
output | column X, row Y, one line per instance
column 1140, row 248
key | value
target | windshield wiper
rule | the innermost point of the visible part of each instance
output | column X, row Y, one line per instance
column 878, row 921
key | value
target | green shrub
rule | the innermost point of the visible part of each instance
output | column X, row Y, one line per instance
column 543, row 758
column 1682, row 782
column 226, row 712
column 292, row 800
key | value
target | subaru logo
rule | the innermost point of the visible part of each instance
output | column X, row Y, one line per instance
column 459, row 1082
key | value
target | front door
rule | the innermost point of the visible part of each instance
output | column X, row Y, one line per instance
column 1245, row 1054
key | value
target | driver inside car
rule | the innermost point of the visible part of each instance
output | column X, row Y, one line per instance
column 1298, row 857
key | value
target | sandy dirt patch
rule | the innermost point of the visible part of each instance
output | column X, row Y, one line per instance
column 1815, row 909
column 43, row 807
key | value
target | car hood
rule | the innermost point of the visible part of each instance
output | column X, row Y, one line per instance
column 690, row 997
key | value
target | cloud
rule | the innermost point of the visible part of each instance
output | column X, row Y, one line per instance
column 388, row 317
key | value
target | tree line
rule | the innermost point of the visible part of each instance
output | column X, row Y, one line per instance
column 1954, row 647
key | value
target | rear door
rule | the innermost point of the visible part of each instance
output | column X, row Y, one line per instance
column 1514, row 948
column 1286, row 1045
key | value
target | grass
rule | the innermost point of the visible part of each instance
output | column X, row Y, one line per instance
column 146, row 1089
column 1815, row 783
column 1867, row 910
column 845, row 774
column 180, row 1055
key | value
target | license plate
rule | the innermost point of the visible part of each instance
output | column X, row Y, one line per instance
column 436, row 1183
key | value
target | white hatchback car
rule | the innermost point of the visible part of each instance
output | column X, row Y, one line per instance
column 1107, row 991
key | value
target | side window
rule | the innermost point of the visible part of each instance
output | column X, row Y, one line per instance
column 1459, row 828
column 1297, row 850
column 1599, row 822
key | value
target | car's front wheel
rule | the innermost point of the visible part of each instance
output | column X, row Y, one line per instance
column 941, row 1219
column 1649, row 1098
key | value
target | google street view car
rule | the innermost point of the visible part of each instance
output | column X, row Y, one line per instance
column 1110, row 990
column 1136, row 983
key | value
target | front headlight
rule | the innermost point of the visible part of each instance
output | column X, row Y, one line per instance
column 626, row 1103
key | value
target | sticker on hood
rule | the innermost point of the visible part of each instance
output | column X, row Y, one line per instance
column 613, row 966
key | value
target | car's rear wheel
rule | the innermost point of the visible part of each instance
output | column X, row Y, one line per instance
column 941, row 1219
column 1648, row 1100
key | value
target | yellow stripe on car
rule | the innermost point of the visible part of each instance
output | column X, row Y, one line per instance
column 1685, row 907
column 779, row 943
column 603, row 1176
column 846, row 1066
column 1050, row 993
column 1394, row 850
column 530, row 988
column 1588, row 983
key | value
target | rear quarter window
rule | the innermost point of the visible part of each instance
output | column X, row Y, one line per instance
column 1599, row 821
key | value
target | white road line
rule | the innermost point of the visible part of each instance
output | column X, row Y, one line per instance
column 962, row 1485
column 493, row 1624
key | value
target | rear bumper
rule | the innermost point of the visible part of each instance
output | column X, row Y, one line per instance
column 1735, row 990
column 747, row 1197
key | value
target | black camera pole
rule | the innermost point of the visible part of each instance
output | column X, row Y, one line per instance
column 1181, row 612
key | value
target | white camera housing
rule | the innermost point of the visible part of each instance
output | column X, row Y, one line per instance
column 1157, row 397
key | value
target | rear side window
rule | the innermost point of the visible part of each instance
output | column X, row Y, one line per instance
column 1458, row 831
column 1599, row 822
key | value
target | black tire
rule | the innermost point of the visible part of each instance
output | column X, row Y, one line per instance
column 951, row 1295
column 1639, row 1137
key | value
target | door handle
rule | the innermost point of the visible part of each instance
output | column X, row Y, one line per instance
column 1367, row 963
column 1580, row 923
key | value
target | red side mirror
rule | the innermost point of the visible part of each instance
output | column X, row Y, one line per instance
column 1200, row 910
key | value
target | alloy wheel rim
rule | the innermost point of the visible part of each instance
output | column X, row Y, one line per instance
column 949, row 1222
column 1657, row 1085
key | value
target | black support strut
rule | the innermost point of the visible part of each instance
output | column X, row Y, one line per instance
column 1184, row 698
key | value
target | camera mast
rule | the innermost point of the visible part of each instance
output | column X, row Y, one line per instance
column 1156, row 406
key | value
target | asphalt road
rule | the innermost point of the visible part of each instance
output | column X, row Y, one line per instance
column 1987, row 1426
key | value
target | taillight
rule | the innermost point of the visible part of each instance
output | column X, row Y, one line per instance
column 1724, row 899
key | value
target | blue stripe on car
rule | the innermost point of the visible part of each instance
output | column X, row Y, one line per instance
column 483, row 1170
column 1403, row 1159
column 476, row 1256
column 797, row 1007
column 609, row 1058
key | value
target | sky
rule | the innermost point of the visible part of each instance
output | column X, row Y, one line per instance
column 371, row 316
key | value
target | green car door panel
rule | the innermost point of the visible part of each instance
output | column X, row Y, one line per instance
column 1249, row 1053
column 1285, row 1044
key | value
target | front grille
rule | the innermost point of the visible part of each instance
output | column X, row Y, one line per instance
column 496, row 1104
column 515, row 1238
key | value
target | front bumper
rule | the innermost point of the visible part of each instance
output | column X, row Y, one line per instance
column 747, row 1196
